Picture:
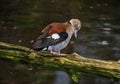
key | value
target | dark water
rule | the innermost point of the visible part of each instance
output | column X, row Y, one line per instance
column 22, row 20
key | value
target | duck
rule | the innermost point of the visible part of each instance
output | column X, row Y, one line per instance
column 56, row 36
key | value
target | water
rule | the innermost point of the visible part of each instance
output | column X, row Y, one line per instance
column 22, row 20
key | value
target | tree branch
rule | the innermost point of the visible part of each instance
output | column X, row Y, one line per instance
column 73, row 64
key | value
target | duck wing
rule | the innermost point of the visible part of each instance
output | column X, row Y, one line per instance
column 51, row 35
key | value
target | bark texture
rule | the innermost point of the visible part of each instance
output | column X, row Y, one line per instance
column 74, row 64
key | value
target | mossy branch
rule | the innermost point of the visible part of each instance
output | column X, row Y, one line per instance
column 73, row 64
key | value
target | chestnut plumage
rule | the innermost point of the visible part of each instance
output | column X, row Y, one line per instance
column 56, row 36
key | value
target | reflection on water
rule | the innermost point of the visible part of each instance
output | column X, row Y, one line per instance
column 96, row 80
column 22, row 20
column 15, row 73
column 62, row 78
column 99, row 42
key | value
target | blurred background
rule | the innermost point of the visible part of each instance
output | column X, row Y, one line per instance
column 21, row 21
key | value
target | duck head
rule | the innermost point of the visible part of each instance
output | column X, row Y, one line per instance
column 76, row 25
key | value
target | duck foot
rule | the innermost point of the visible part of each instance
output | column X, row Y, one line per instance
column 57, row 53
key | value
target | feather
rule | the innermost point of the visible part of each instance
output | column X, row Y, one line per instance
column 46, row 38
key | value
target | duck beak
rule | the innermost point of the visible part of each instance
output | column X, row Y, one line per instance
column 75, row 33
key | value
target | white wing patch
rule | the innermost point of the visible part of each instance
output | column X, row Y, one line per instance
column 55, row 36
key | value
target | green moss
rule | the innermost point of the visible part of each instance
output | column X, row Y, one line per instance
column 74, row 65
